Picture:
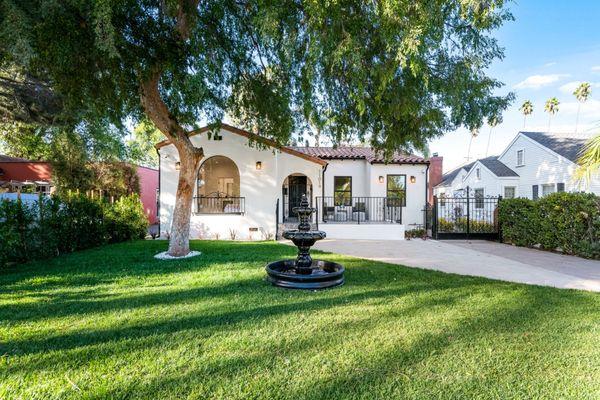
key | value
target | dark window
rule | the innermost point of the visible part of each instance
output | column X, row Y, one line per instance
column 342, row 190
column 442, row 199
column 396, row 190
column 535, row 192
column 478, row 198
column 560, row 187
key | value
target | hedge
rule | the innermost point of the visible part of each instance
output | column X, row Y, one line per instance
column 57, row 225
column 565, row 222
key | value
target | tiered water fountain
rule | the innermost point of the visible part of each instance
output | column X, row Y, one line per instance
column 304, row 272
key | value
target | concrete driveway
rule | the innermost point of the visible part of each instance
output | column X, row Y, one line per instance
column 477, row 258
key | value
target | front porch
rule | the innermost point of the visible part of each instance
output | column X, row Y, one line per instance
column 352, row 217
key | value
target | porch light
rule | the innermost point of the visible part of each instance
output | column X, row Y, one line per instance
column 413, row 179
column 381, row 179
column 258, row 165
column 177, row 166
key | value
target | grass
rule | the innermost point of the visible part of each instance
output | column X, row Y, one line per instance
column 115, row 323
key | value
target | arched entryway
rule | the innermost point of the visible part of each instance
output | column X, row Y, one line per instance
column 294, row 186
column 218, row 187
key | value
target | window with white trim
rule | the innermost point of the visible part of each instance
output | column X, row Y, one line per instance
column 478, row 173
column 520, row 158
column 547, row 189
column 510, row 192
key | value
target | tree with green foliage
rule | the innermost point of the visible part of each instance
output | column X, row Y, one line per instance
column 551, row 107
column 526, row 109
column 401, row 72
column 140, row 147
column 589, row 160
column 582, row 94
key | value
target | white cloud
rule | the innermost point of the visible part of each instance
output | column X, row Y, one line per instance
column 538, row 81
column 550, row 64
column 596, row 68
column 590, row 109
column 569, row 88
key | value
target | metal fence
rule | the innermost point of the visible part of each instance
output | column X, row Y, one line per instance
column 360, row 210
column 220, row 205
column 468, row 214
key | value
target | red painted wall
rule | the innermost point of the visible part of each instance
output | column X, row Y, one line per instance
column 148, row 185
column 26, row 171
column 435, row 175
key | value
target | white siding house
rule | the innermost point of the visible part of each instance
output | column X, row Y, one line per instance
column 357, row 193
column 532, row 165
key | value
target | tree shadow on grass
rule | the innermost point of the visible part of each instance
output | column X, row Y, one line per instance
column 231, row 366
column 371, row 376
column 210, row 321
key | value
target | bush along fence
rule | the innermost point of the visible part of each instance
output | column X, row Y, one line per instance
column 55, row 225
column 564, row 222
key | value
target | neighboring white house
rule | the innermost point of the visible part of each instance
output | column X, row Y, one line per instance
column 245, row 178
column 534, row 164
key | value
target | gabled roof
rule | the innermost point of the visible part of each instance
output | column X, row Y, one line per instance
column 568, row 145
column 497, row 167
column 492, row 163
column 360, row 153
column 253, row 136
column 448, row 177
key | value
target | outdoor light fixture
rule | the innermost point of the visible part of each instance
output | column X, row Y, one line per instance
column 381, row 179
column 177, row 166
column 413, row 179
column 259, row 165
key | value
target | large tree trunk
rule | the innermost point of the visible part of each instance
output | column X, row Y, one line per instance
column 163, row 119
column 189, row 158
column 179, row 244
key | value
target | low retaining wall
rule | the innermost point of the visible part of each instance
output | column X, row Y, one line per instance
column 364, row 231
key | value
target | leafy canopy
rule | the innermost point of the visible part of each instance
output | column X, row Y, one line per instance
column 401, row 71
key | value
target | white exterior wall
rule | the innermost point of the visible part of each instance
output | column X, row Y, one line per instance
column 416, row 195
column 365, row 183
column 261, row 188
column 491, row 184
column 357, row 169
column 541, row 166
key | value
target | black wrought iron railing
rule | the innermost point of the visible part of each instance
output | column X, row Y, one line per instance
column 220, row 205
column 360, row 210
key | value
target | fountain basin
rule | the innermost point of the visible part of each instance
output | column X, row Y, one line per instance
column 323, row 274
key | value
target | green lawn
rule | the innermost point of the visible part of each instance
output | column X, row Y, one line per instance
column 115, row 323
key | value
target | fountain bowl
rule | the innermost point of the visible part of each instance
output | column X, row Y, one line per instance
column 323, row 274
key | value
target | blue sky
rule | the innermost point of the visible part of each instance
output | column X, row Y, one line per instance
column 550, row 47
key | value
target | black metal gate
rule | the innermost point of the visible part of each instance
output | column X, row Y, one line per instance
column 468, row 214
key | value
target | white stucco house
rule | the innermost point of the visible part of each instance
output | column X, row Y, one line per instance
column 248, row 191
column 534, row 164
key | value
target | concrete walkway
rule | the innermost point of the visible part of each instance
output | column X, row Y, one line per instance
column 477, row 258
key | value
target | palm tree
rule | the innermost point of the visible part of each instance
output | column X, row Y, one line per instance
column 492, row 122
column 474, row 133
column 589, row 159
column 551, row 108
column 526, row 109
column 582, row 93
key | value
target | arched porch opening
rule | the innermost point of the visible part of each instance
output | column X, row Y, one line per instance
column 293, row 187
column 218, row 187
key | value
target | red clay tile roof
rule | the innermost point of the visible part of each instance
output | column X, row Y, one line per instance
column 4, row 158
column 359, row 153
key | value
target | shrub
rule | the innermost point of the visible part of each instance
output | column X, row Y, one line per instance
column 414, row 233
column 125, row 220
column 55, row 225
column 444, row 225
column 569, row 222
